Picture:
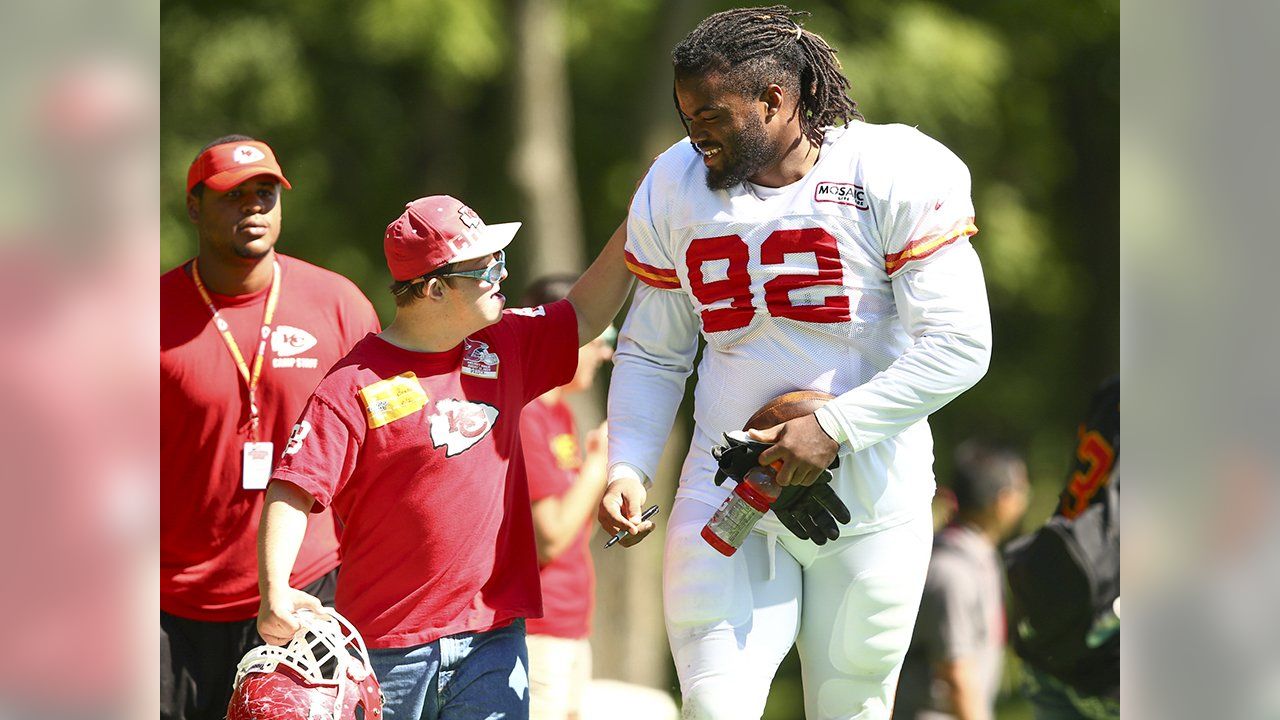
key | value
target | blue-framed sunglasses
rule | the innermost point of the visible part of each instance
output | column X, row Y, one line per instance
column 491, row 274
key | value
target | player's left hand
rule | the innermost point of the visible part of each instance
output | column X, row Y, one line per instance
column 802, row 445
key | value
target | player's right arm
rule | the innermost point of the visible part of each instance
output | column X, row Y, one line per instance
column 656, row 348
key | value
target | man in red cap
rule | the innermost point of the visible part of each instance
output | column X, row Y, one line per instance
column 413, row 439
column 245, row 335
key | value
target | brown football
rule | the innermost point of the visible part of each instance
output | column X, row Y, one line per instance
column 788, row 406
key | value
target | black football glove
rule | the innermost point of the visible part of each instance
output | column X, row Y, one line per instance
column 809, row 511
column 738, row 455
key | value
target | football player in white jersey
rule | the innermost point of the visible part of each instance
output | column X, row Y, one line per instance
column 810, row 257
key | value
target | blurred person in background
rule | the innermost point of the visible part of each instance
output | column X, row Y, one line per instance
column 414, row 440
column 954, row 665
column 78, row 419
column 565, row 489
column 1064, row 581
column 812, row 251
column 246, row 332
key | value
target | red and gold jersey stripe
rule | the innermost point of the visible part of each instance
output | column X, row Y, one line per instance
column 928, row 245
column 650, row 275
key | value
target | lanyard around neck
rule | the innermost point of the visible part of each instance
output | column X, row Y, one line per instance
column 250, row 376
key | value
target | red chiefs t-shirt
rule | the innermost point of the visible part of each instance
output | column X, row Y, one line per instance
column 552, row 461
column 208, row 521
column 419, row 456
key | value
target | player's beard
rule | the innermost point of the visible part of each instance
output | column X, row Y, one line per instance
column 746, row 154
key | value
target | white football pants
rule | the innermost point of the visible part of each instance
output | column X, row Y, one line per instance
column 850, row 605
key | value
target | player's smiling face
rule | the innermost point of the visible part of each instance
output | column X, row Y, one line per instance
column 727, row 127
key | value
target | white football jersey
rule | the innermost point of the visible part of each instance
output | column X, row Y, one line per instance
column 857, row 280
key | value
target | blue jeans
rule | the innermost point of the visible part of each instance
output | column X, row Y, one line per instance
column 468, row 676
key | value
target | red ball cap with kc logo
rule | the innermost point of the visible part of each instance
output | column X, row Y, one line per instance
column 438, row 230
column 225, row 166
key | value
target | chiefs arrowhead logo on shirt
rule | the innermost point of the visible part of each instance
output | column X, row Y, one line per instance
column 477, row 360
column 287, row 341
column 457, row 424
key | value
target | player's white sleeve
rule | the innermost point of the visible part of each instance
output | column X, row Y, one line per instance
column 943, row 306
column 926, row 206
column 656, row 348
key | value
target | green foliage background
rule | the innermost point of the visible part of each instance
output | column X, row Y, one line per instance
column 370, row 104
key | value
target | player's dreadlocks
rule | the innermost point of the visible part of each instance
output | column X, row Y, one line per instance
column 756, row 47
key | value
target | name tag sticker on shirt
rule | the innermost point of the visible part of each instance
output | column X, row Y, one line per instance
column 255, row 467
column 389, row 400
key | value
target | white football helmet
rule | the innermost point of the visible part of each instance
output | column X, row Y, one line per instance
column 322, row 674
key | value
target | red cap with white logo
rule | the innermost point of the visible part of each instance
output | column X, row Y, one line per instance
column 438, row 230
column 225, row 166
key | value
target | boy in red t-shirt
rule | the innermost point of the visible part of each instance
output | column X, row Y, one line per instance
column 413, row 439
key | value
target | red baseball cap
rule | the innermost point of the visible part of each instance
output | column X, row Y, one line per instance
column 438, row 230
column 225, row 166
